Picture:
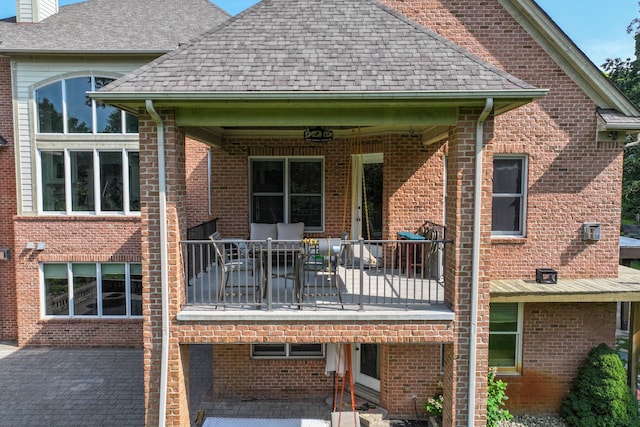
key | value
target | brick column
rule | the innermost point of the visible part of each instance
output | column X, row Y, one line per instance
column 177, row 404
column 8, row 209
column 459, row 222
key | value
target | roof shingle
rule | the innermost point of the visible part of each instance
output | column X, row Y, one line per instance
column 115, row 26
column 318, row 45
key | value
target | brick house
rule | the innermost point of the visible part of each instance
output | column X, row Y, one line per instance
column 484, row 119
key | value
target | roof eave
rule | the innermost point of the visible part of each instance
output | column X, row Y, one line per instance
column 529, row 94
column 21, row 52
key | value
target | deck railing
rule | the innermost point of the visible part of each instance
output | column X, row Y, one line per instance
column 314, row 273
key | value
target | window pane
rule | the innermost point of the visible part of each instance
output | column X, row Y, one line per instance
column 79, row 105
column 136, row 289
column 111, row 186
column 85, row 290
column 506, row 214
column 49, row 99
column 134, row 181
column 307, row 209
column 114, row 296
column 502, row 350
column 131, row 123
column 507, row 176
column 82, row 194
column 268, row 209
column 108, row 118
column 56, row 289
column 305, row 177
column 267, row 176
column 269, row 350
column 503, row 317
column 305, row 350
column 53, row 196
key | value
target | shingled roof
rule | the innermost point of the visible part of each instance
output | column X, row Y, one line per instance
column 114, row 26
column 318, row 45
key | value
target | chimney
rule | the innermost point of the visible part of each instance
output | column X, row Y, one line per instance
column 35, row 10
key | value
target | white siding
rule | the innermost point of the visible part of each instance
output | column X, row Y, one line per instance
column 35, row 10
column 46, row 8
column 24, row 10
column 29, row 75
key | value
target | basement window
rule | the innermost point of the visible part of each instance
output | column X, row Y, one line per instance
column 287, row 351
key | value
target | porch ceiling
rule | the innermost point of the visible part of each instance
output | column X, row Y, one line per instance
column 211, row 117
column 626, row 287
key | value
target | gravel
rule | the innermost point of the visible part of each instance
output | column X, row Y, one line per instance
column 534, row 421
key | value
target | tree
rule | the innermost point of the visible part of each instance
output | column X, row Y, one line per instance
column 625, row 74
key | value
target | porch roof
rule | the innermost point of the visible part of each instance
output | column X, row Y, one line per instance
column 625, row 287
column 310, row 47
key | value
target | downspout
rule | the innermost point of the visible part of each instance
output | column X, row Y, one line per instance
column 475, row 266
column 164, row 256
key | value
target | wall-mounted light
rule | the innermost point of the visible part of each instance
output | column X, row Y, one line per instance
column 591, row 231
column 3, row 141
column 38, row 246
column 613, row 135
column 318, row 134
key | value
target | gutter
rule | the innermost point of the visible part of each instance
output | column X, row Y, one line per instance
column 164, row 272
column 320, row 95
column 475, row 263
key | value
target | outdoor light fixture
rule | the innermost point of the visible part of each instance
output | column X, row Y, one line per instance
column 318, row 134
column 3, row 141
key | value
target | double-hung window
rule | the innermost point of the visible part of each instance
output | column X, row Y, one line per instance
column 288, row 190
column 505, row 336
column 89, row 289
column 509, row 196
column 91, row 180
column 287, row 351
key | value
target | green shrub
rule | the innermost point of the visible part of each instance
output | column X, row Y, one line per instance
column 496, row 390
column 600, row 396
column 497, row 395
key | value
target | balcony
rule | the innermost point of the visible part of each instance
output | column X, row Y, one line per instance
column 314, row 274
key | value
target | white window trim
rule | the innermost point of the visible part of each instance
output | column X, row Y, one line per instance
column 100, row 315
column 287, row 194
column 517, row 369
column 287, row 355
column 96, row 183
column 524, row 194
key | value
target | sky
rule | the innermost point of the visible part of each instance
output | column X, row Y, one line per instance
column 597, row 27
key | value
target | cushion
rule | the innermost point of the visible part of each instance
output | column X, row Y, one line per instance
column 262, row 231
column 293, row 231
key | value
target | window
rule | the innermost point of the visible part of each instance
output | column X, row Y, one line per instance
column 292, row 351
column 509, row 184
column 98, row 290
column 64, row 107
column 288, row 190
column 69, row 180
column 505, row 331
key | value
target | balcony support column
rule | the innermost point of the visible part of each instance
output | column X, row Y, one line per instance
column 163, row 227
column 466, row 265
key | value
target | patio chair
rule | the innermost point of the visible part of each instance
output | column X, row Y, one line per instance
column 232, row 257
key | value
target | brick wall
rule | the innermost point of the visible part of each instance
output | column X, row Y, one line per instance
column 77, row 239
column 237, row 376
column 8, row 207
column 412, row 174
column 548, row 364
column 197, row 171
column 572, row 179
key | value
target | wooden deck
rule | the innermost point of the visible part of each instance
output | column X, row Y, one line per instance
column 626, row 287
